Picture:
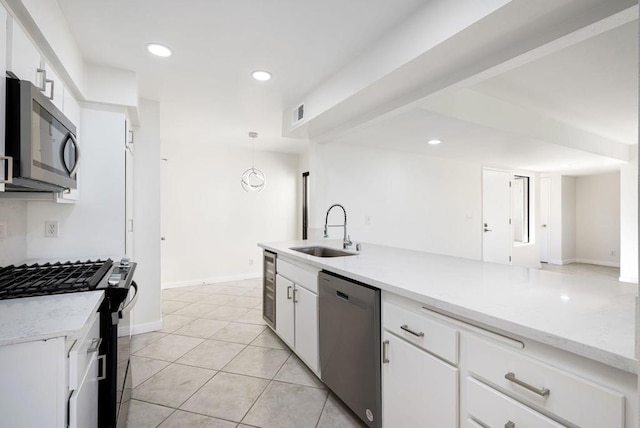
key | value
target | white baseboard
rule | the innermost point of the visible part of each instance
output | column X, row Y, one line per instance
column 632, row 280
column 146, row 327
column 598, row 262
column 211, row 280
column 561, row 262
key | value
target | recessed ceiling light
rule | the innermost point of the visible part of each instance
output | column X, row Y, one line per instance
column 434, row 142
column 159, row 50
column 261, row 75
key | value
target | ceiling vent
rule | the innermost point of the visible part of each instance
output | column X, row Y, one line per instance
column 298, row 114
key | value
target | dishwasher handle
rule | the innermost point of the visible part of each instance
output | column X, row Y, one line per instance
column 342, row 295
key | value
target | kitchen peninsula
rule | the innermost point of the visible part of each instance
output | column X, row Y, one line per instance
column 572, row 337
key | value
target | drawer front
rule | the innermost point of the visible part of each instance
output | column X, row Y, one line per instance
column 494, row 409
column 572, row 398
column 305, row 276
column 422, row 331
column 81, row 353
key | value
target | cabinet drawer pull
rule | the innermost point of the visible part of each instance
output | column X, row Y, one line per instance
column 510, row 424
column 8, row 169
column 95, row 344
column 103, row 366
column 408, row 330
column 385, row 352
column 543, row 392
column 289, row 293
column 295, row 293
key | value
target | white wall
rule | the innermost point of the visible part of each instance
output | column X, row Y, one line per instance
column 411, row 201
column 210, row 224
column 146, row 218
column 13, row 248
column 598, row 219
column 629, row 221
column 94, row 226
column 569, row 212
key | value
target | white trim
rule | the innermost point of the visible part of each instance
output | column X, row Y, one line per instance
column 632, row 280
column 598, row 262
column 215, row 280
column 561, row 262
column 146, row 327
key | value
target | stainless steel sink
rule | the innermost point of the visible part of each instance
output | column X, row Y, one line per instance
column 318, row 251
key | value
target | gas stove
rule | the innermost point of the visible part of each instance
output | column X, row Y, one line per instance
column 116, row 280
column 52, row 278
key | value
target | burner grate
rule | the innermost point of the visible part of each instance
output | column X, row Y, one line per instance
column 51, row 278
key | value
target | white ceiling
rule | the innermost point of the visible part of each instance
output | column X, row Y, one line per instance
column 207, row 95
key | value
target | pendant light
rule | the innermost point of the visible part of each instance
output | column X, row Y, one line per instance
column 253, row 179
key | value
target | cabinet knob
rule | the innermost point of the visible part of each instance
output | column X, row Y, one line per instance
column 510, row 424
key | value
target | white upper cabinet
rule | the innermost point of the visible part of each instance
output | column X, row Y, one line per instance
column 23, row 59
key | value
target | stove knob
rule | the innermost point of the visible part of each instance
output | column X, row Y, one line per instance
column 114, row 279
column 125, row 262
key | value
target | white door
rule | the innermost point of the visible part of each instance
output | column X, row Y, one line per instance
column 545, row 215
column 419, row 389
column 306, row 315
column 284, row 309
column 496, row 212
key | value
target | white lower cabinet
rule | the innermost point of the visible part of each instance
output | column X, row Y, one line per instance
column 420, row 390
column 58, row 375
column 284, row 310
column 297, row 319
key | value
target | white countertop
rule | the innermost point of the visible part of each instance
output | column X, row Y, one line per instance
column 45, row 317
column 589, row 317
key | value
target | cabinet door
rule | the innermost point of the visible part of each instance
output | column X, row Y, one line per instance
column 83, row 404
column 284, row 310
column 25, row 58
column 306, row 315
column 419, row 390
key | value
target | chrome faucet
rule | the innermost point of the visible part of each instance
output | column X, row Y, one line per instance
column 346, row 241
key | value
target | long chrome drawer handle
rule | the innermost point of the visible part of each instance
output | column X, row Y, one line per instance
column 385, row 352
column 408, row 330
column 543, row 392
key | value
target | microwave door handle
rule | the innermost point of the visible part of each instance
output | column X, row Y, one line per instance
column 76, row 148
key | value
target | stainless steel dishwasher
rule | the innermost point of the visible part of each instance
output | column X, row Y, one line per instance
column 349, row 324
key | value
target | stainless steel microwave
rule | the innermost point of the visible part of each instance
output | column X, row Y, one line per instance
column 40, row 142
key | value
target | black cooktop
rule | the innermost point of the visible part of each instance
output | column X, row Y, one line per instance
column 51, row 278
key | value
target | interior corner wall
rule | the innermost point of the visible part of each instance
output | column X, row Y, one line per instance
column 147, row 314
column 399, row 199
column 598, row 219
column 629, row 221
column 210, row 224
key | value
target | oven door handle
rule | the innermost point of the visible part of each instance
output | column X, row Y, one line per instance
column 131, row 303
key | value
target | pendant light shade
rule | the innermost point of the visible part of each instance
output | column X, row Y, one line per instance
column 253, row 180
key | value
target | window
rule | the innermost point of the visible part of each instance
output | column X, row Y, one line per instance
column 520, row 209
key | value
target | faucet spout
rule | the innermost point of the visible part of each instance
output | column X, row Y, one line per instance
column 346, row 240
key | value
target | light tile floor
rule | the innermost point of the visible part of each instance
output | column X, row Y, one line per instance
column 216, row 364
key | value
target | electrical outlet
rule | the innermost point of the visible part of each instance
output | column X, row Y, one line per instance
column 250, row 262
column 3, row 230
column 51, row 229
column 612, row 253
column 367, row 220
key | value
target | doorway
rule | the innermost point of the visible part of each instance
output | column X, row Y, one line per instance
column 496, row 211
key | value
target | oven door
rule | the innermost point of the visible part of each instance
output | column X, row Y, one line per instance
column 123, row 372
